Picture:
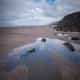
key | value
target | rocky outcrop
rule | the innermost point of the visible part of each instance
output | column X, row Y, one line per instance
column 68, row 28
column 70, row 23
column 70, row 19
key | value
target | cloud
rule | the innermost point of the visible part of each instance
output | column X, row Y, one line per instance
column 61, row 8
column 35, row 12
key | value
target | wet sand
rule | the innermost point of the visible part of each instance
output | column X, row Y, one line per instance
column 69, row 71
column 11, row 38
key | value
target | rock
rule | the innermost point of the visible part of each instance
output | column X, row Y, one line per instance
column 28, row 52
column 69, row 46
column 50, row 26
column 75, row 38
column 62, row 33
column 43, row 40
column 31, row 50
column 55, row 33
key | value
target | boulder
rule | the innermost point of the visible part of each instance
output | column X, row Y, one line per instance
column 43, row 40
column 69, row 46
column 75, row 38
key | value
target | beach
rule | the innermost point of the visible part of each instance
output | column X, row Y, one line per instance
column 14, row 37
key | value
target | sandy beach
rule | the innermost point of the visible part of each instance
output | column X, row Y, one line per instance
column 14, row 37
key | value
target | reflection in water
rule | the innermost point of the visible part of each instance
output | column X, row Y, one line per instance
column 39, row 39
column 40, row 44
column 40, row 62
column 63, row 34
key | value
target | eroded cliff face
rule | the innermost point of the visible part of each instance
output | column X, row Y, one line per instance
column 70, row 23
column 73, row 18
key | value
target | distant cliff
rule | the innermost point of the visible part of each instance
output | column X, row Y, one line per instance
column 70, row 22
column 70, row 19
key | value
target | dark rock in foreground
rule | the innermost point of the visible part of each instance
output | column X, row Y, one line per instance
column 69, row 46
column 43, row 40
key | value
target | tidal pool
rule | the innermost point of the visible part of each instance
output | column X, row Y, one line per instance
column 40, row 63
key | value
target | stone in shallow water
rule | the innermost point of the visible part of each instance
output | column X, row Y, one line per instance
column 31, row 50
column 43, row 40
column 28, row 52
column 69, row 46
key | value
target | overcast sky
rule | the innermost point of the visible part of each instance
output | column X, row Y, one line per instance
column 35, row 12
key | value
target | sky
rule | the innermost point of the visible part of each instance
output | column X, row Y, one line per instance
column 35, row 12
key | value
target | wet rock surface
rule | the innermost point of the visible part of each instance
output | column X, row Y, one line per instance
column 31, row 50
column 75, row 38
column 69, row 46
column 43, row 40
